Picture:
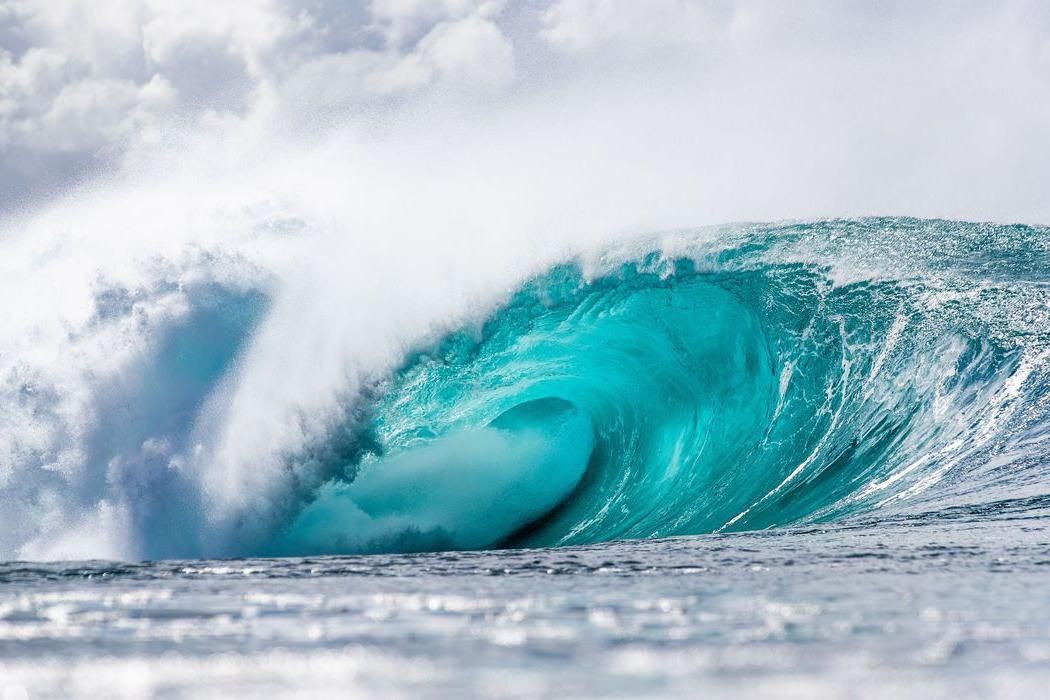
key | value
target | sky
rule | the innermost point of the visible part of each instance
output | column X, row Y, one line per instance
column 775, row 109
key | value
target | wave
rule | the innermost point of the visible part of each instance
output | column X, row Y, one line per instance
column 738, row 388
column 740, row 378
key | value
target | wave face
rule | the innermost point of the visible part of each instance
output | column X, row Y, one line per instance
column 739, row 380
column 729, row 379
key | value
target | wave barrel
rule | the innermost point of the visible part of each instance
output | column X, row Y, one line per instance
column 467, row 490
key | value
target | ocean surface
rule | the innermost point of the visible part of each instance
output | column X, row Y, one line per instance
column 940, row 605
column 793, row 460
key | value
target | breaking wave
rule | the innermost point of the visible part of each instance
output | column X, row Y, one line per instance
column 740, row 378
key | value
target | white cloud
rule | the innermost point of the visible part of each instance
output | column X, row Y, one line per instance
column 95, row 79
column 583, row 25
column 84, row 83
column 469, row 51
column 403, row 22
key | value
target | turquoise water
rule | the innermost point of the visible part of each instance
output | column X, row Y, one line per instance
column 743, row 382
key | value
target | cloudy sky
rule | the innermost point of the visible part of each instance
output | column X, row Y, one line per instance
column 935, row 108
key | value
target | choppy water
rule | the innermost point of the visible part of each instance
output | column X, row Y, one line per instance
column 951, row 605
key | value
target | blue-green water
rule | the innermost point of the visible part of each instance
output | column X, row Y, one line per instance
column 794, row 461
column 731, row 386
